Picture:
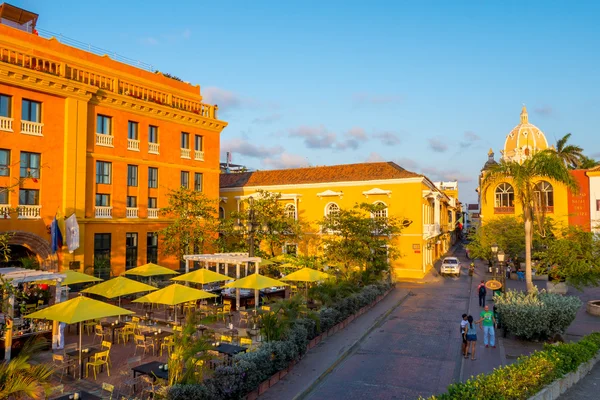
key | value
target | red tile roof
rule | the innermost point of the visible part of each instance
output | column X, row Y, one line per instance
column 333, row 173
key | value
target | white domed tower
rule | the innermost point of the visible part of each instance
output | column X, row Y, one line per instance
column 524, row 140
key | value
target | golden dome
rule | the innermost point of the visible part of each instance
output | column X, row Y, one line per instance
column 524, row 140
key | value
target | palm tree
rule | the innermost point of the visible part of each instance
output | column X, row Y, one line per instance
column 524, row 178
column 19, row 379
column 570, row 154
column 588, row 163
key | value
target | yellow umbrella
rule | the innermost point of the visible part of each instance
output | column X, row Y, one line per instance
column 150, row 269
column 77, row 310
column 255, row 281
column 174, row 294
column 117, row 287
column 307, row 275
column 72, row 278
column 202, row 276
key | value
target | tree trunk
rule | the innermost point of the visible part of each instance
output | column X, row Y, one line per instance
column 528, row 223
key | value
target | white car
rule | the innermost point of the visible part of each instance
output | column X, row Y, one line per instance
column 450, row 265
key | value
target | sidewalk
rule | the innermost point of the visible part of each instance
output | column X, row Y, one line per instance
column 319, row 361
column 585, row 389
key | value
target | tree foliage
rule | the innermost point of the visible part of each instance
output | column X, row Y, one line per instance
column 506, row 232
column 571, row 155
column 195, row 222
column 21, row 379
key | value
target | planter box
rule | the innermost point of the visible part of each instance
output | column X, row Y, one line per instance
column 283, row 373
column 557, row 388
column 253, row 395
column 263, row 387
column 559, row 287
column 274, row 379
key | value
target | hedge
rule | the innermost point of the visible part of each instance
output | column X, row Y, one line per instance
column 528, row 375
column 250, row 369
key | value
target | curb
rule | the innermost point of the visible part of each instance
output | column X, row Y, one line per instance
column 557, row 388
column 350, row 350
column 462, row 359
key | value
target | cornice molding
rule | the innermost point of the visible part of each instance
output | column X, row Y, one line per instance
column 377, row 191
column 139, row 161
column 377, row 182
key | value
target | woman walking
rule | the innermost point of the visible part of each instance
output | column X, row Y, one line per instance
column 470, row 333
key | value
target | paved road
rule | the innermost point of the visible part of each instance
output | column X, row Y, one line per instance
column 587, row 388
column 415, row 351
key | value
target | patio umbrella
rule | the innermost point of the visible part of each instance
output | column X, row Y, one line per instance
column 173, row 295
column 202, row 276
column 256, row 282
column 77, row 310
column 72, row 278
column 117, row 287
column 149, row 270
column 307, row 275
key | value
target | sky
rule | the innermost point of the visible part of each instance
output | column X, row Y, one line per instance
column 430, row 85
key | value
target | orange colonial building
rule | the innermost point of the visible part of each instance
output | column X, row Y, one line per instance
column 86, row 135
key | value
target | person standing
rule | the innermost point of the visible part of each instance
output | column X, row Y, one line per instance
column 470, row 333
column 463, row 323
column 489, row 323
column 482, row 292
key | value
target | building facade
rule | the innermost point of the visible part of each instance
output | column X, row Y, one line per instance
column 428, row 210
column 86, row 135
column 594, row 197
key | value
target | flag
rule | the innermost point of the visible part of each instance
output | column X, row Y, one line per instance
column 459, row 222
column 55, row 236
column 72, row 233
column 228, row 157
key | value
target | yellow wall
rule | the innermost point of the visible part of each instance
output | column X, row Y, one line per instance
column 406, row 200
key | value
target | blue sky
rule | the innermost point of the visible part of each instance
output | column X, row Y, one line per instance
column 431, row 85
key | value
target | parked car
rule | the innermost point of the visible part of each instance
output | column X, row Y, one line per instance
column 450, row 265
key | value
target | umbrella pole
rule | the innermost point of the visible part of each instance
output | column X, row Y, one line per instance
column 119, row 306
column 80, row 363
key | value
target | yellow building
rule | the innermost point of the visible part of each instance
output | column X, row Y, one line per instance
column 521, row 142
column 310, row 194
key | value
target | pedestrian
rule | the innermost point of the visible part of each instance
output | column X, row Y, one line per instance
column 482, row 292
column 470, row 333
column 508, row 269
column 489, row 323
column 463, row 323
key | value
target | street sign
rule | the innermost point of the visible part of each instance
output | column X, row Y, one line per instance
column 493, row 285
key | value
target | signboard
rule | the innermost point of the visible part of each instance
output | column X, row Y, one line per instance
column 579, row 204
column 493, row 285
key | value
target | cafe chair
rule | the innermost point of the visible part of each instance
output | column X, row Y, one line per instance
column 100, row 332
column 99, row 360
column 126, row 333
column 108, row 391
column 89, row 325
column 168, row 343
column 56, row 390
column 244, row 317
column 226, row 339
column 106, row 345
column 40, row 304
column 177, row 328
column 68, row 348
column 215, row 359
column 142, row 342
column 62, row 364
column 129, row 384
column 246, row 342
column 265, row 308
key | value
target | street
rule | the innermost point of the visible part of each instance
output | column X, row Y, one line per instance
column 414, row 352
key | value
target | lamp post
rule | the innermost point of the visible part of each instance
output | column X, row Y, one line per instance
column 501, row 257
column 494, row 252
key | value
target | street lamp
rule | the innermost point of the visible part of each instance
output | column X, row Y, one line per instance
column 494, row 252
column 501, row 257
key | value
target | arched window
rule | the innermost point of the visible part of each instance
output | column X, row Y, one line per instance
column 383, row 213
column 290, row 211
column 544, row 195
column 332, row 210
column 221, row 212
column 505, row 195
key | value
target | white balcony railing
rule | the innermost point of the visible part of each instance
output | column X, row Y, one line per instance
column 133, row 144
column 431, row 230
column 198, row 155
column 4, row 211
column 153, row 212
column 104, row 140
column 6, row 124
column 153, row 148
column 31, row 128
column 132, row 212
column 185, row 153
column 29, row 212
column 103, row 212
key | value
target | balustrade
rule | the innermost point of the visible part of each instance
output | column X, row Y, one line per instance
column 133, row 144
column 103, row 212
column 29, row 212
column 32, row 128
column 132, row 212
column 153, row 212
column 198, row 155
column 104, row 140
column 153, row 148
column 185, row 153
column 6, row 124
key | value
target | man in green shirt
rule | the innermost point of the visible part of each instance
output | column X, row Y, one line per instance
column 489, row 323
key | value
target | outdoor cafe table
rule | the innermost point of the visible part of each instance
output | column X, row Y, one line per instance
column 83, row 395
column 229, row 349
column 113, row 327
column 84, row 355
column 151, row 369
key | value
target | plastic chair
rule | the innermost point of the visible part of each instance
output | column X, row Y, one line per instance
column 129, row 382
column 98, row 360
column 227, row 339
column 106, row 345
column 89, row 325
column 141, row 341
column 246, row 342
column 107, row 390
column 244, row 317
column 126, row 333
column 168, row 343
column 56, row 390
column 99, row 332
column 62, row 364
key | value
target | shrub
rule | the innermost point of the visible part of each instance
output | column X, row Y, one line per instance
column 536, row 315
column 528, row 375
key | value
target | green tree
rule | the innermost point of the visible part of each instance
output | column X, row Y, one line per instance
column 506, row 232
column 4, row 246
column 588, row 163
column 21, row 379
column 195, row 222
column 524, row 178
column 354, row 240
column 571, row 155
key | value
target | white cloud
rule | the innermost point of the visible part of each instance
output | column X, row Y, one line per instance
column 437, row 145
column 545, row 110
column 374, row 157
column 224, row 98
column 267, row 119
column 469, row 139
column 352, row 139
column 388, row 138
column 245, row 148
column 407, row 163
column 285, row 160
column 314, row 137
column 445, row 174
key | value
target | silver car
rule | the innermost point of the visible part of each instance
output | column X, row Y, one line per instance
column 450, row 265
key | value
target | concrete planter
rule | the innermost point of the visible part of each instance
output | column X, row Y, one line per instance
column 557, row 287
column 253, row 395
column 274, row 379
column 557, row 388
column 263, row 387
column 593, row 307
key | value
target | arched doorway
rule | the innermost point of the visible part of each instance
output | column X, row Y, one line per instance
column 27, row 243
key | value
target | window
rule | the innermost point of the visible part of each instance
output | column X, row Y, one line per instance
column 29, row 197
column 102, row 255
column 221, row 213
column 198, row 182
column 198, row 143
column 382, row 213
column 30, row 165
column 131, row 201
column 185, row 140
column 5, row 110
column 102, row 200
column 153, row 134
column 131, row 250
column 152, row 177
column 185, row 179
column 505, row 196
column 544, row 195
column 4, row 162
column 3, row 195
column 152, row 248
column 132, row 175
column 103, row 124
column 31, row 111
column 152, row 203
column 597, row 205
column 132, row 130
column 332, row 210
column 103, row 170
column 290, row 211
